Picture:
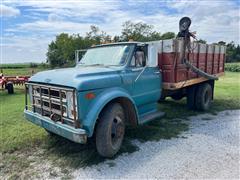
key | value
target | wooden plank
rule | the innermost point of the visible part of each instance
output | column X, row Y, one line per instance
column 179, row 85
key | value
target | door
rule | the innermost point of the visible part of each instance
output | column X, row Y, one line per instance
column 146, row 80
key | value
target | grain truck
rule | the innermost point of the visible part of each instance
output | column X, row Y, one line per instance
column 120, row 84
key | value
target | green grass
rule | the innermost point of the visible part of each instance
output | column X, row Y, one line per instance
column 22, row 68
column 22, row 71
column 233, row 67
column 16, row 133
column 15, row 65
column 20, row 139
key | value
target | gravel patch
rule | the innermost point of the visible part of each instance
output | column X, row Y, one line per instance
column 210, row 149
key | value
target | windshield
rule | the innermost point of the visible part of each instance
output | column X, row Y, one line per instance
column 107, row 55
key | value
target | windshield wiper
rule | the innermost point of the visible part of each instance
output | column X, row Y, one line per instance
column 96, row 65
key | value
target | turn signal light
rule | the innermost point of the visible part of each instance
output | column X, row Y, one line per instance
column 90, row 96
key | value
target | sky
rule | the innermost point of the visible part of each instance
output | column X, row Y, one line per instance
column 27, row 27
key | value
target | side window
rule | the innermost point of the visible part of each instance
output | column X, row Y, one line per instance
column 139, row 58
column 133, row 61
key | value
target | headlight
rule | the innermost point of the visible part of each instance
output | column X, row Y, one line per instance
column 30, row 94
column 70, row 108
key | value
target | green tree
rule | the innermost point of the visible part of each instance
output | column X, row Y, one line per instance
column 142, row 32
column 237, row 52
column 94, row 34
column 232, row 52
column 168, row 35
column 201, row 41
column 116, row 39
column 154, row 36
column 61, row 51
column 222, row 43
column 54, row 56
column 98, row 36
column 137, row 32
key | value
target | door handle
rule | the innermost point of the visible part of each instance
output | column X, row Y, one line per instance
column 157, row 72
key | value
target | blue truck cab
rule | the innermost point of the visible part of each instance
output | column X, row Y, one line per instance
column 113, row 85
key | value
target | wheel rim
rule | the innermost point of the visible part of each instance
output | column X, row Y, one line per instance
column 117, row 131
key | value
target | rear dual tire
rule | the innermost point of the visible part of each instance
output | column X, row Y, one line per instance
column 200, row 97
column 204, row 97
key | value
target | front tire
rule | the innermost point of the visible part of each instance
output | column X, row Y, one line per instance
column 110, row 130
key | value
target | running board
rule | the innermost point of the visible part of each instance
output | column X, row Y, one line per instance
column 151, row 116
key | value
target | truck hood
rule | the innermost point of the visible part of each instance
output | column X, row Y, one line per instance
column 80, row 77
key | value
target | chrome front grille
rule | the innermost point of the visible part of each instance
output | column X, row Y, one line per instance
column 56, row 103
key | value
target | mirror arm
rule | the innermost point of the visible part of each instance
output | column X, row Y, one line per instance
column 142, row 69
column 140, row 73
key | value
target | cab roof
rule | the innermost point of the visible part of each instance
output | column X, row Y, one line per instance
column 119, row 43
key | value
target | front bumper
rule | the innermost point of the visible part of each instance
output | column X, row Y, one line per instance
column 74, row 134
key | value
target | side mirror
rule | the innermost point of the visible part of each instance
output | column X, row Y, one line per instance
column 152, row 56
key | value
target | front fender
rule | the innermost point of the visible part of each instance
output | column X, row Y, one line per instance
column 99, row 103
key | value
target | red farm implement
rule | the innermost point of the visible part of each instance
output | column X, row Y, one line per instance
column 8, row 82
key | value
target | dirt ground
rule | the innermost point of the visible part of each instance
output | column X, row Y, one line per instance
column 209, row 149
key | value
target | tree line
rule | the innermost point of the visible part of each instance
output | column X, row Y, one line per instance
column 61, row 51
